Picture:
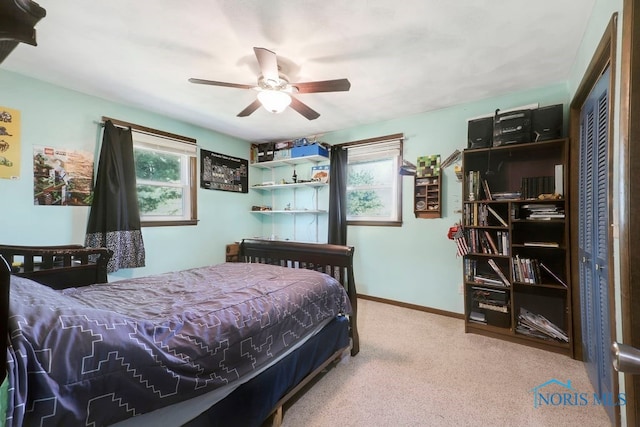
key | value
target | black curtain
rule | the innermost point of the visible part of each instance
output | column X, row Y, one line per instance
column 338, row 196
column 114, row 220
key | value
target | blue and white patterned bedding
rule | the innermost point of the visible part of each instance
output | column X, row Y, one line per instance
column 100, row 354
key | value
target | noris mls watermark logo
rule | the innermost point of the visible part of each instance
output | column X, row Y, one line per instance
column 556, row 393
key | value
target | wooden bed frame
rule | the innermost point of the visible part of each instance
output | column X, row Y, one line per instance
column 61, row 267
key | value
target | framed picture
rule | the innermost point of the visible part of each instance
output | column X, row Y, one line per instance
column 222, row 172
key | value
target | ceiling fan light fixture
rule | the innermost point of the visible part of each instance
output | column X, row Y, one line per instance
column 274, row 101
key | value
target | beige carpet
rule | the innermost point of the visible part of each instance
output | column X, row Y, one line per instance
column 421, row 369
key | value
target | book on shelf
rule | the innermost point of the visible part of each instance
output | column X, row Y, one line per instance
column 543, row 244
column 487, row 191
column 506, row 195
column 526, row 270
column 494, row 307
column 485, row 280
column 544, row 211
column 554, row 275
column 475, row 316
column 492, row 243
column 558, row 180
column 504, row 236
column 470, row 268
column 532, row 187
column 473, row 186
column 499, row 272
column 497, row 216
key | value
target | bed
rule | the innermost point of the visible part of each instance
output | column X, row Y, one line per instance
column 226, row 344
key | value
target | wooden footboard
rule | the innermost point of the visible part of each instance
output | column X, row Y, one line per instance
column 335, row 260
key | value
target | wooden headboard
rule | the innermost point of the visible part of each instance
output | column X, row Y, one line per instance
column 58, row 267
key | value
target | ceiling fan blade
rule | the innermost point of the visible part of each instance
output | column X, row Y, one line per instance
column 339, row 85
column 250, row 109
column 225, row 84
column 268, row 63
column 304, row 109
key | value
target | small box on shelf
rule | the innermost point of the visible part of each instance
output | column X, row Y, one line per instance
column 309, row 150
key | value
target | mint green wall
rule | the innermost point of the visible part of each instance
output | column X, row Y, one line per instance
column 416, row 263
column 58, row 117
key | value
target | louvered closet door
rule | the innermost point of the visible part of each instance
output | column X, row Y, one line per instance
column 593, row 248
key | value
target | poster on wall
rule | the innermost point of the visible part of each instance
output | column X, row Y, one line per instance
column 222, row 172
column 9, row 143
column 62, row 177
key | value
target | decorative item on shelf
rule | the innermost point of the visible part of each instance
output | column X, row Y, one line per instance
column 320, row 173
column 428, row 166
column 282, row 150
column 261, row 208
column 303, row 147
column 453, row 157
column 407, row 168
column 458, row 171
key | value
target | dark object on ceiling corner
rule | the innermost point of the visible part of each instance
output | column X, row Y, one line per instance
column 17, row 21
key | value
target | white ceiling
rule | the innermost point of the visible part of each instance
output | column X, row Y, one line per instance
column 401, row 56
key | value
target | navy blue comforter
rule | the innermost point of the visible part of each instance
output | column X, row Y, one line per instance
column 100, row 354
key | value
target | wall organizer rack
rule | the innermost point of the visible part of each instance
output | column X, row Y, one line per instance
column 295, row 207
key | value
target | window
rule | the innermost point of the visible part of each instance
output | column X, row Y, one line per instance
column 374, row 187
column 165, row 179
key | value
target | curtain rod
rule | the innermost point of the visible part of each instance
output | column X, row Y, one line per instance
column 149, row 131
column 399, row 136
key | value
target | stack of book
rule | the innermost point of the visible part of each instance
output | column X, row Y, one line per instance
column 538, row 326
column 506, row 195
column 544, row 211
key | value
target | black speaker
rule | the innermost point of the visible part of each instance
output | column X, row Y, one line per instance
column 480, row 133
column 547, row 123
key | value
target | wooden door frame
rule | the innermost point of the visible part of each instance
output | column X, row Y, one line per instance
column 629, row 197
column 603, row 58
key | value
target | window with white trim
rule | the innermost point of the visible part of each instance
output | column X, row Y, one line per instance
column 374, row 187
column 166, row 171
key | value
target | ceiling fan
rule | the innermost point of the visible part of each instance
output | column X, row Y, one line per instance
column 275, row 92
